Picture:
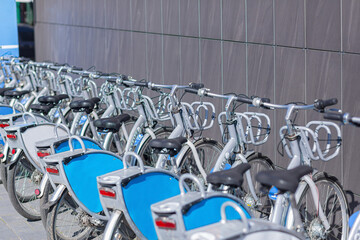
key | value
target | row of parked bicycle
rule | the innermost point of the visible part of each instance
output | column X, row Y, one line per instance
column 129, row 160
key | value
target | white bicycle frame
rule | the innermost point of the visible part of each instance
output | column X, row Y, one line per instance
column 281, row 214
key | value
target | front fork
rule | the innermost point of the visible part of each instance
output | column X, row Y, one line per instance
column 112, row 224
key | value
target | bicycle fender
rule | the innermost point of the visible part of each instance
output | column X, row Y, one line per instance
column 110, row 226
column 55, row 197
column 14, row 157
column 249, row 153
column 5, row 152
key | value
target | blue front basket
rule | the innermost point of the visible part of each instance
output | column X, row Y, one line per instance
column 82, row 171
column 64, row 146
column 210, row 207
column 143, row 191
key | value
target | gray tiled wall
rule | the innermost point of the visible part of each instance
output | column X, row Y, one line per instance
column 287, row 50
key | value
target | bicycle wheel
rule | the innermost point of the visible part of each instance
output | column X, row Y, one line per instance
column 261, row 208
column 209, row 151
column 145, row 152
column 64, row 221
column 334, row 204
column 23, row 179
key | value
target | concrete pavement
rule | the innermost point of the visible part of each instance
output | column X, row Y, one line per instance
column 13, row 226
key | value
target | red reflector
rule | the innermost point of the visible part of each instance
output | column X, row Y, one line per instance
column 13, row 151
column 43, row 154
column 1, row 155
column 13, row 136
column 165, row 223
column 37, row 192
column 52, row 169
column 107, row 192
column 4, row 125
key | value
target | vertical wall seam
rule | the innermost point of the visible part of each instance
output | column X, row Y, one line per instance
column 162, row 41
column 305, row 79
column 146, row 46
column 341, row 107
column 305, row 27
column 131, row 36
column 274, row 23
column 200, row 50
column 274, row 75
column 222, row 47
column 246, row 55
column 341, row 86
column 180, row 40
column 341, row 26
column 305, row 53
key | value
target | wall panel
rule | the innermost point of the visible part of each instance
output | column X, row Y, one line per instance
column 286, row 50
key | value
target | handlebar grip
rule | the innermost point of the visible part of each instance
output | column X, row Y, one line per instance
column 334, row 116
column 105, row 74
column 196, row 86
column 141, row 84
column 76, row 68
column 124, row 77
column 355, row 121
column 321, row 104
column 191, row 90
column 244, row 100
column 265, row 100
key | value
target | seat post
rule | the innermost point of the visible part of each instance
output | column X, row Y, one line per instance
column 117, row 143
column 173, row 164
column 61, row 115
column 92, row 127
column 298, row 224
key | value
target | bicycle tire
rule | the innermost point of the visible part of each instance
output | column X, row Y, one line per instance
column 65, row 206
column 258, row 163
column 308, row 210
column 23, row 179
column 208, row 159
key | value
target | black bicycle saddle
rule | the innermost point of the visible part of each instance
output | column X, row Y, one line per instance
column 82, row 106
column 167, row 146
column 15, row 94
column 44, row 109
column 232, row 177
column 52, row 99
column 3, row 90
column 111, row 124
column 284, row 180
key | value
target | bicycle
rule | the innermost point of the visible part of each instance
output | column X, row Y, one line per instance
column 346, row 118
